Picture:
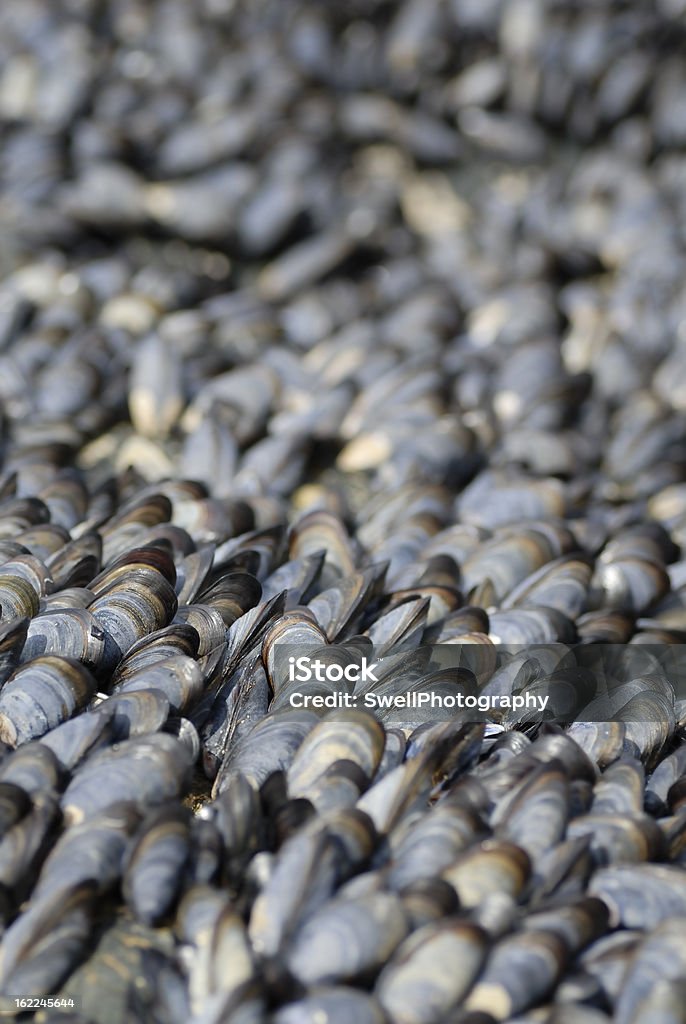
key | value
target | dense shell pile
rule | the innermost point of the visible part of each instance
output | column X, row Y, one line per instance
column 328, row 322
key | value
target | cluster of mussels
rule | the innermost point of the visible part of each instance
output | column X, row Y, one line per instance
column 340, row 323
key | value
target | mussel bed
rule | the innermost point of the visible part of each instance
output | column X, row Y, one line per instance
column 354, row 329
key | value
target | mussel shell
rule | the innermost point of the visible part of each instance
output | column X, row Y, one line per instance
column 657, row 960
column 23, row 845
column 224, row 964
column 346, row 939
column 563, row 584
column 490, row 867
column 136, row 713
column 145, row 770
column 12, row 639
column 93, row 851
column 339, row 609
column 232, row 595
column 423, row 845
column 57, row 939
column 640, row 895
column 296, row 578
column 431, row 971
column 128, row 614
column 130, row 968
column 208, row 624
column 179, row 678
column 620, row 838
column 620, row 789
column 41, row 695
column 206, row 853
column 667, row 773
column 322, row 531
column 136, row 563
column 77, row 562
column 295, row 630
column 76, row 738
column 664, row 1002
column 350, row 735
column 537, row 816
column 604, row 742
column 158, row 646
column 238, row 816
column 192, row 573
column 156, row 396
column 34, row 767
column 428, row 900
column 521, row 969
column 70, row 632
column 249, row 630
column 268, row 747
column 14, row 804
column 304, row 876
column 18, row 598
column 337, row 1005
column 66, row 500
column 155, row 861
column 578, row 923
